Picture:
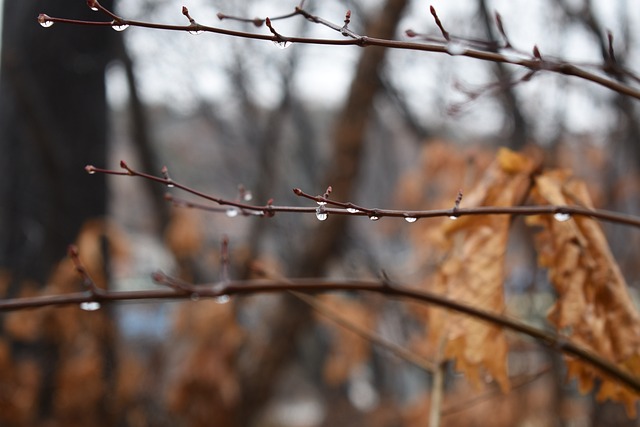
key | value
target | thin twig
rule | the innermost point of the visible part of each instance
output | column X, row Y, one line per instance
column 516, row 383
column 348, row 208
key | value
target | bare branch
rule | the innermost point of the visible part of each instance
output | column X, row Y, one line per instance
column 312, row 286
column 562, row 213
column 477, row 49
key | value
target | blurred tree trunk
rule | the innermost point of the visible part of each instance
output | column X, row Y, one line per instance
column 53, row 122
column 348, row 142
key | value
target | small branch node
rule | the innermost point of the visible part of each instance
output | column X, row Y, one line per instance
column 126, row 167
column 269, row 212
column 536, row 53
column 87, row 281
column 185, row 12
column 167, row 178
column 384, row 280
column 279, row 38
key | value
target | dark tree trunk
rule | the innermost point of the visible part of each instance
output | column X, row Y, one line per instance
column 53, row 122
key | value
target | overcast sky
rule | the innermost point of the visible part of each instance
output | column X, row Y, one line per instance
column 180, row 68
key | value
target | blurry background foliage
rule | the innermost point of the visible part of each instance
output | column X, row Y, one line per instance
column 393, row 131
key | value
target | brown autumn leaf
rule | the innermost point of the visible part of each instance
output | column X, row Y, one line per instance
column 443, row 168
column 593, row 306
column 472, row 272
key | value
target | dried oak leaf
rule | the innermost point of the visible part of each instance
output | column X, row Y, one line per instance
column 472, row 272
column 593, row 306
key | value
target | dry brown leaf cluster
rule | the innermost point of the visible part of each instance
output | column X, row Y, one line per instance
column 593, row 307
column 472, row 271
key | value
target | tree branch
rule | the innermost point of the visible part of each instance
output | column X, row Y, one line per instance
column 313, row 286
column 234, row 207
column 481, row 50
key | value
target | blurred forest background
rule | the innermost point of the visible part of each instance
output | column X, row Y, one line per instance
column 231, row 117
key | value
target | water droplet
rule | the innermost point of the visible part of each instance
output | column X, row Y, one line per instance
column 321, row 214
column 196, row 32
column 93, row 5
column 352, row 210
column 456, row 48
column 232, row 212
column 374, row 218
column 282, row 44
column 91, row 171
column 223, row 299
column 247, row 196
column 119, row 27
column 90, row 305
column 170, row 185
column 410, row 219
column 195, row 296
column 320, row 203
column 453, row 217
column 45, row 20
column 562, row 217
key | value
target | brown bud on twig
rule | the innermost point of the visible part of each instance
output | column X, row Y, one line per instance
column 612, row 56
column 536, row 52
column 501, row 30
column 328, row 192
column 93, row 5
column 458, row 199
column 347, row 20
column 444, row 32
column 126, row 167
